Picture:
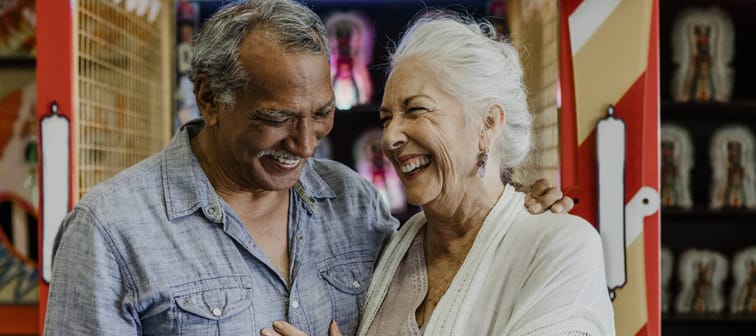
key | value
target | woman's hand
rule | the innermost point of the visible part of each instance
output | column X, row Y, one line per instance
column 542, row 196
column 282, row 328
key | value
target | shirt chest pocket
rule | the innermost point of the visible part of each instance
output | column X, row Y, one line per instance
column 346, row 278
column 216, row 306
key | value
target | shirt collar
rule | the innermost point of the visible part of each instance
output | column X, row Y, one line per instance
column 186, row 187
column 311, row 186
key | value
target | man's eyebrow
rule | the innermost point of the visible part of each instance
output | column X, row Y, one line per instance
column 272, row 113
column 328, row 107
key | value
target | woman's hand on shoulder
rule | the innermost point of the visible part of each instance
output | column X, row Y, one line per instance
column 542, row 196
column 281, row 328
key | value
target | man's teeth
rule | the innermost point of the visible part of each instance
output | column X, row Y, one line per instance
column 286, row 160
column 415, row 164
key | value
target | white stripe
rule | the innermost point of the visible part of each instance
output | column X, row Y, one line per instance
column 587, row 18
column 644, row 203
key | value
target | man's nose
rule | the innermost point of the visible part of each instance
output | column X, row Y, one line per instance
column 304, row 138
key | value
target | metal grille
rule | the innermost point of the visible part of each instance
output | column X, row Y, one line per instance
column 535, row 26
column 122, row 88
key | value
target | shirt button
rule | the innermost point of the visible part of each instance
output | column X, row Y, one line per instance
column 295, row 304
column 217, row 312
column 300, row 238
column 356, row 284
column 211, row 210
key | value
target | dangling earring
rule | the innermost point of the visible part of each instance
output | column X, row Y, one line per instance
column 482, row 160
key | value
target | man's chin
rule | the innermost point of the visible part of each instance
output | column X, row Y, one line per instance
column 282, row 181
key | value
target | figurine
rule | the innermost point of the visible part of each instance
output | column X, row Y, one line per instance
column 351, row 39
column 733, row 168
column 496, row 11
column 667, row 265
column 676, row 162
column 374, row 166
column 702, row 49
column 743, row 296
column 702, row 273
column 187, row 23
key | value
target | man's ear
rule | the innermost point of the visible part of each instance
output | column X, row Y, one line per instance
column 206, row 99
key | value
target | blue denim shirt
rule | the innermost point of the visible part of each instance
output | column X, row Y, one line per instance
column 156, row 251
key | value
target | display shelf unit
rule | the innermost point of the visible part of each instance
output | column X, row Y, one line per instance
column 724, row 230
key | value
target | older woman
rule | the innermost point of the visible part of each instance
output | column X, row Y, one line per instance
column 474, row 261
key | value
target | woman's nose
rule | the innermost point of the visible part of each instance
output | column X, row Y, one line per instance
column 393, row 135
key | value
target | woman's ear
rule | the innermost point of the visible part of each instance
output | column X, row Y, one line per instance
column 206, row 99
column 492, row 124
column 496, row 117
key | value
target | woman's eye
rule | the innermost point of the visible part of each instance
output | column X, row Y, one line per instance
column 416, row 109
column 385, row 121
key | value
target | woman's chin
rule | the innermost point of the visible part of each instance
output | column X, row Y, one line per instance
column 418, row 200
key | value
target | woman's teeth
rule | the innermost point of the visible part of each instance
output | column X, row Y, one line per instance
column 415, row 164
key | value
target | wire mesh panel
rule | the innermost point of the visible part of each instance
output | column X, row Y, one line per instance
column 535, row 26
column 122, row 88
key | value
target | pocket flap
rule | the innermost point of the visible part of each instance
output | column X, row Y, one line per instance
column 214, row 299
column 349, row 273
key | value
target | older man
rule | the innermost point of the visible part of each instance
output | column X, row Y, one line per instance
column 232, row 226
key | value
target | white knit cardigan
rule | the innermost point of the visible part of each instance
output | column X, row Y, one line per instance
column 524, row 275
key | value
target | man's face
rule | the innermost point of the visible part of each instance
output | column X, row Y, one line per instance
column 287, row 107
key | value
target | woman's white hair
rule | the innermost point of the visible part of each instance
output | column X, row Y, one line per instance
column 477, row 67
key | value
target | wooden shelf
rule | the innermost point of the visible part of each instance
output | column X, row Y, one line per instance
column 746, row 216
column 18, row 62
column 741, row 110
column 708, row 319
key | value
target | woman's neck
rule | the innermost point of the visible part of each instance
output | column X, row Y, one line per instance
column 453, row 224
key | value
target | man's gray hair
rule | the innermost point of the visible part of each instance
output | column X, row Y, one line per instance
column 477, row 68
column 216, row 46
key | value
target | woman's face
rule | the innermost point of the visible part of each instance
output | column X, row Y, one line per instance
column 425, row 135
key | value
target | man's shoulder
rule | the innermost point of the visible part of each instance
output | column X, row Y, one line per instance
column 129, row 184
column 337, row 175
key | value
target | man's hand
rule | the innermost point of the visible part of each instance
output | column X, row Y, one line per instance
column 284, row 329
column 542, row 196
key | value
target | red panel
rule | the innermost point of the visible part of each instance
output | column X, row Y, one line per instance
column 55, row 83
column 19, row 320
column 644, row 331
column 650, row 176
column 639, row 109
column 569, row 6
column 568, row 125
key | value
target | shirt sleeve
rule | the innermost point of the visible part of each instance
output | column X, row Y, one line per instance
column 385, row 221
column 89, row 294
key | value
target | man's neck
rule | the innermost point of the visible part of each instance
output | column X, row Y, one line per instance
column 264, row 213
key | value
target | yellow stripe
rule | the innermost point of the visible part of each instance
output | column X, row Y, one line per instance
column 610, row 62
column 630, row 313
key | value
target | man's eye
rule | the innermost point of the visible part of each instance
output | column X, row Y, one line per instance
column 322, row 114
column 275, row 122
column 415, row 109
